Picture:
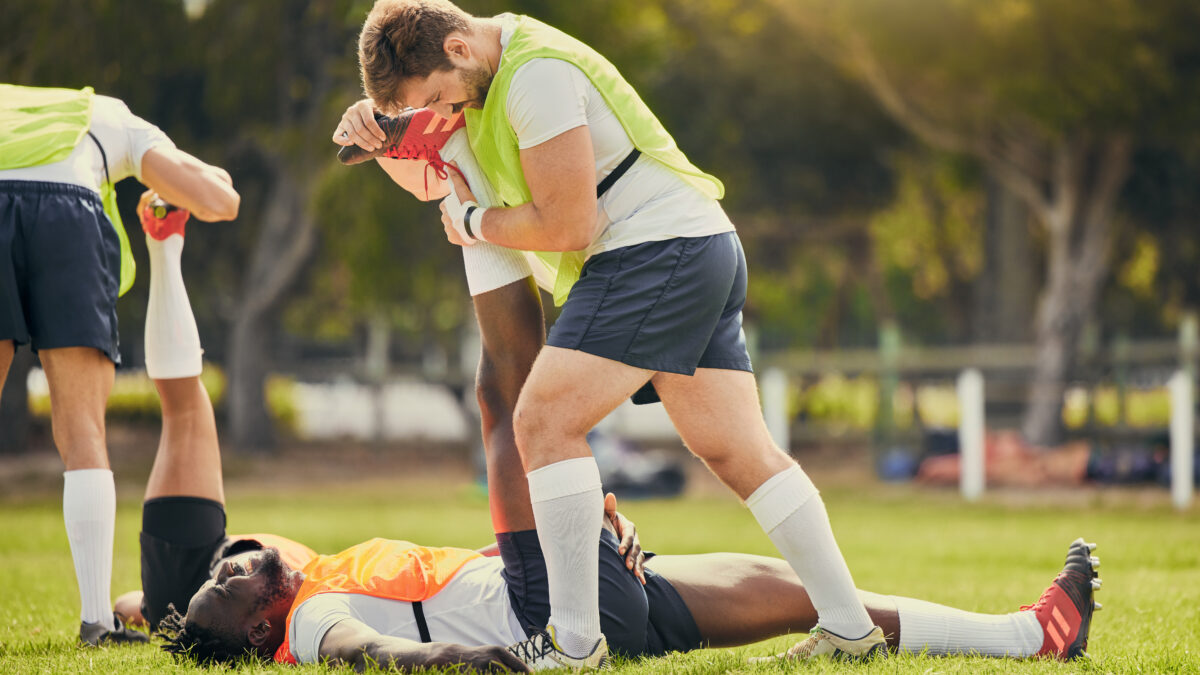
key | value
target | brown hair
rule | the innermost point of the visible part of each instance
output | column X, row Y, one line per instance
column 403, row 39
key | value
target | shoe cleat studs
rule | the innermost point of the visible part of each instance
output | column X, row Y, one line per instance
column 1091, row 546
column 1096, row 607
column 1094, row 561
column 1096, row 583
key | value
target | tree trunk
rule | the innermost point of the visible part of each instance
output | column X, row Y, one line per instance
column 1005, row 293
column 287, row 239
column 1087, row 180
column 15, row 421
column 249, row 419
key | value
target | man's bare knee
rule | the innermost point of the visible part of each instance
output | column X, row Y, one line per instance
column 537, row 423
column 527, row 426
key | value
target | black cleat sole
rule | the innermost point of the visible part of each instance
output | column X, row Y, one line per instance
column 393, row 128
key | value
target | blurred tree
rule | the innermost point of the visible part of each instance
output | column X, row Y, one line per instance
column 930, row 239
column 275, row 72
column 1156, row 279
column 1052, row 96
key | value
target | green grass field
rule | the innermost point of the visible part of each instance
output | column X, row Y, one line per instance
column 990, row 557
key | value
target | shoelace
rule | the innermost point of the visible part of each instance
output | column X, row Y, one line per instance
column 528, row 652
column 1041, row 602
column 807, row 647
column 431, row 155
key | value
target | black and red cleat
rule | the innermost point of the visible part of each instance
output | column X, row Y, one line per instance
column 416, row 133
column 1065, row 608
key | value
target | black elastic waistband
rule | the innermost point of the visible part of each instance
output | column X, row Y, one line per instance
column 46, row 187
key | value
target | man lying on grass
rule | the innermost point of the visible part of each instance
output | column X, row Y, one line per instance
column 402, row 605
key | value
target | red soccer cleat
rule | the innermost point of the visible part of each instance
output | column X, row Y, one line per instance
column 1065, row 608
column 416, row 133
column 161, row 220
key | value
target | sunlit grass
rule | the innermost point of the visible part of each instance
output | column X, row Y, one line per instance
column 990, row 557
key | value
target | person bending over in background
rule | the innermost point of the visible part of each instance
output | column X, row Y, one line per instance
column 64, row 260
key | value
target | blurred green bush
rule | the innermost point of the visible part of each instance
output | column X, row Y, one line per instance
column 852, row 403
column 135, row 400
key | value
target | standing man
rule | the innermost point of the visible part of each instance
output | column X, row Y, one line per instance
column 588, row 173
column 64, row 259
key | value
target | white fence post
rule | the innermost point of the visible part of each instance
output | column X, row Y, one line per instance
column 775, row 407
column 1183, row 425
column 970, row 434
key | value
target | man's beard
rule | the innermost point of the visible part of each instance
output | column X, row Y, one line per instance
column 271, row 566
column 477, row 83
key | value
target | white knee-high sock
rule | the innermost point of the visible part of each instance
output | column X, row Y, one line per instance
column 172, row 340
column 568, row 508
column 941, row 631
column 790, row 510
column 90, row 512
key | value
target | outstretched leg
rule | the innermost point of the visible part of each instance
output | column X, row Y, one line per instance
column 738, row 599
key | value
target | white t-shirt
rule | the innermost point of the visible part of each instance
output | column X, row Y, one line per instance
column 650, row 202
column 489, row 266
column 125, row 137
column 472, row 610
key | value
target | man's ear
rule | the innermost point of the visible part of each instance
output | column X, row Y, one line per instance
column 259, row 632
column 456, row 48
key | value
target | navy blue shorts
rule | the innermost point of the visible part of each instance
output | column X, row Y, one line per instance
column 669, row 306
column 60, row 268
column 636, row 620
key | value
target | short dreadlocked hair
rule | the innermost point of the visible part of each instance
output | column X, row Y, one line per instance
column 402, row 39
column 202, row 645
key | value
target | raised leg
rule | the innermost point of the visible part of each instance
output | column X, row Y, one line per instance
column 188, row 461
column 512, row 330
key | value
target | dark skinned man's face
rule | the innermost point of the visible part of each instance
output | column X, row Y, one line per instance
column 245, row 590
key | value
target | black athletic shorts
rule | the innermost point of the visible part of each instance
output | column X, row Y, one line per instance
column 60, row 267
column 670, row 306
column 181, row 538
column 636, row 620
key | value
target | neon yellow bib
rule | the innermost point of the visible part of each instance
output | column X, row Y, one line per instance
column 495, row 143
column 41, row 125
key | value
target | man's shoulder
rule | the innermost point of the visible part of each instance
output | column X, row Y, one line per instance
column 111, row 110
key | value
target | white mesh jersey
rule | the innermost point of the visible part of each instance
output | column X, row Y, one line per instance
column 489, row 266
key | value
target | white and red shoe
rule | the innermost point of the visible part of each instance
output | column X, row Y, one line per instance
column 1065, row 608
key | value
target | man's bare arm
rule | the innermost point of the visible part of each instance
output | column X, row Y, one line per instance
column 561, row 174
column 354, row 643
column 181, row 179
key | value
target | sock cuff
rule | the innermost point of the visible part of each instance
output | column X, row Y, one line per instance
column 780, row 496
column 84, row 478
column 562, row 479
column 88, row 494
